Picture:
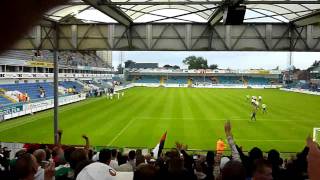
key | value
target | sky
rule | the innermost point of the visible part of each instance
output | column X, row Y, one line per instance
column 224, row 59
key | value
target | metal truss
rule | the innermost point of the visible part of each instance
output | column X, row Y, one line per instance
column 204, row 2
column 175, row 37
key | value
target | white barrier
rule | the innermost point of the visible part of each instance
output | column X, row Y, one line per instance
column 13, row 147
column 301, row 91
column 233, row 86
column 20, row 109
column 120, row 88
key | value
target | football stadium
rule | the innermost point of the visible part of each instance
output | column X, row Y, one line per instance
column 151, row 90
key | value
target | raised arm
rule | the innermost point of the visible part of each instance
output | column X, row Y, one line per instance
column 313, row 159
column 87, row 146
column 233, row 148
column 59, row 137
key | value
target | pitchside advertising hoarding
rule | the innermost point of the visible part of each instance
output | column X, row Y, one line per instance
column 12, row 111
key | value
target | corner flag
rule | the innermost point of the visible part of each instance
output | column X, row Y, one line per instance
column 158, row 149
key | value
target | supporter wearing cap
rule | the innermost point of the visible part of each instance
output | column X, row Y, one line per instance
column 97, row 171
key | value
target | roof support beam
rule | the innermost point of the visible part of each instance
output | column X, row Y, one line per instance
column 194, row 2
column 217, row 14
column 111, row 11
column 175, row 37
column 308, row 19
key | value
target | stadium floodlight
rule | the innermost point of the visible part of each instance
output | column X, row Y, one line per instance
column 316, row 135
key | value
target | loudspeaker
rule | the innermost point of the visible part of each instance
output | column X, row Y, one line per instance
column 234, row 15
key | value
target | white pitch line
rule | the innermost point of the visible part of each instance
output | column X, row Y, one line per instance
column 278, row 140
column 231, row 119
column 120, row 133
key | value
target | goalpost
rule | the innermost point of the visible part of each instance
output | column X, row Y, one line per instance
column 316, row 135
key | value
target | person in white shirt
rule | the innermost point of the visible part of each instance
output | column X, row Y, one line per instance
column 257, row 104
column 130, row 165
column 260, row 98
column 40, row 156
column 114, row 163
column 264, row 108
column 253, row 102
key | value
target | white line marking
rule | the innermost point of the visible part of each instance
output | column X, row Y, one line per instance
column 231, row 119
column 279, row 140
column 122, row 131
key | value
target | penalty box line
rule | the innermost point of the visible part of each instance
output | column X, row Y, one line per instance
column 121, row 131
column 247, row 140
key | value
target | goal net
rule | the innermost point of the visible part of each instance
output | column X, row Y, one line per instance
column 316, row 135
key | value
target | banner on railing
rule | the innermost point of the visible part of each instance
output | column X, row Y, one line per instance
column 11, row 111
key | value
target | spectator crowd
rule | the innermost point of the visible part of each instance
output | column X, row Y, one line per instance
column 59, row 162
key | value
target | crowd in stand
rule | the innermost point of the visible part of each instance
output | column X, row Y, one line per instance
column 23, row 97
column 67, row 162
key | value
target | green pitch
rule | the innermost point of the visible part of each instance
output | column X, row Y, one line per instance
column 192, row 116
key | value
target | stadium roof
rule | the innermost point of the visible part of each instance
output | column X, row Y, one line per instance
column 177, row 25
column 149, row 11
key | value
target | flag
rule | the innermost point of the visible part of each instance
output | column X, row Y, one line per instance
column 158, row 149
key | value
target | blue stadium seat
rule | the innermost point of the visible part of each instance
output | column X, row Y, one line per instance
column 177, row 80
column 31, row 88
column 71, row 84
column 4, row 101
column 149, row 79
column 257, row 80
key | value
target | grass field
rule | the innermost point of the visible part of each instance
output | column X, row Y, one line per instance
column 192, row 116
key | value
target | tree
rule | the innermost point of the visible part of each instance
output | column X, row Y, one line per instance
column 194, row 62
column 316, row 64
column 128, row 63
column 120, row 69
column 175, row 67
column 213, row 66
column 167, row 66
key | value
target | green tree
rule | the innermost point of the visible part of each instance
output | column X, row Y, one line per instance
column 128, row 63
column 316, row 64
column 167, row 66
column 194, row 62
column 120, row 69
column 213, row 66
column 175, row 67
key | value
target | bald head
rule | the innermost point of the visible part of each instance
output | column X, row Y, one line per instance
column 40, row 155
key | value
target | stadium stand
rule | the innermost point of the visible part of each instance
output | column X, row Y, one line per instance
column 72, row 84
column 222, row 77
column 257, row 80
column 176, row 80
column 4, row 100
column 148, row 79
column 65, row 57
column 31, row 88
